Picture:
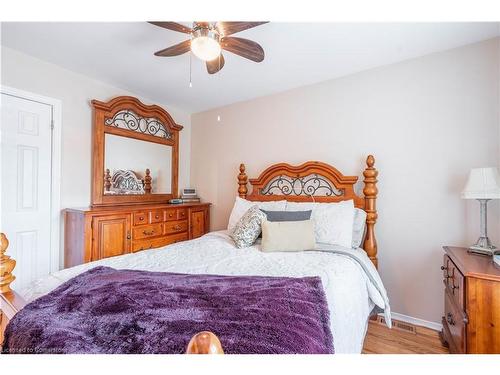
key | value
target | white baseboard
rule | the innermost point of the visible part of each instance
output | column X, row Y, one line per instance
column 416, row 321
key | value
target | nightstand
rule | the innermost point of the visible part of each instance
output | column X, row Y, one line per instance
column 471, row 321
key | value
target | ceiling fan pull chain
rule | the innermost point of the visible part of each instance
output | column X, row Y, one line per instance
column 190, row 70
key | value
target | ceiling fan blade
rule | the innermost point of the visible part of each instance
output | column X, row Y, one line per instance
column 215, row 65
column 172, row 26
column 175, row 50
column 243, row 47
column 228, row 28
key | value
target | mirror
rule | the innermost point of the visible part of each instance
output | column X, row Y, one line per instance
column 127, row 160
column 135, row 153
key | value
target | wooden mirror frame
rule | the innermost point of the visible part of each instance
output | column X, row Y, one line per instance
column 107, row 110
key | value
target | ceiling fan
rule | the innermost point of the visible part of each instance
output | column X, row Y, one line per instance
column 208, row 39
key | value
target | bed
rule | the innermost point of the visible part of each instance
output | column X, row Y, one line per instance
column 351, row 284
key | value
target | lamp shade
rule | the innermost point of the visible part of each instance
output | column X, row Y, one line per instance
column 483, row 183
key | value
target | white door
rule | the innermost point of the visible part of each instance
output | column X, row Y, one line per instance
column 26, row 143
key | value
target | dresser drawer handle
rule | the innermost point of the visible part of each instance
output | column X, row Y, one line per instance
column 157, row 217
column 141, row 218
column 146, row 233
column 443, row 268
column 170, row 215
column 176, row 227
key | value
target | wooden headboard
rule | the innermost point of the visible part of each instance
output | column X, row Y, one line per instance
column 320, row 182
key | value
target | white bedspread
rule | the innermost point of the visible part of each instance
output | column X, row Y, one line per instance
column 350, row 292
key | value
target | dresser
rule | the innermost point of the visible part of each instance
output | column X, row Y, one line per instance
column 471, row 321
column 97, row 233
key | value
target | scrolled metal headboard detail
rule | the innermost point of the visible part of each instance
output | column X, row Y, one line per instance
column 310, row 185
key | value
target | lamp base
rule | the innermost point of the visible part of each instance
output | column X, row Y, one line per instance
column 483, row 246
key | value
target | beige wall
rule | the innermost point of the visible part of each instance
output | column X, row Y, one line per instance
column 427, row 121
column 27, row 73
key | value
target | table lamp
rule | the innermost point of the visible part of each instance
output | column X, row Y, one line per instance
column 483, row 184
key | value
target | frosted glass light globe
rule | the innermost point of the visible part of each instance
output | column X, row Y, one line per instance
column 205, row 48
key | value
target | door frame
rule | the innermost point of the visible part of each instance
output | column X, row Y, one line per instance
column 55, row 185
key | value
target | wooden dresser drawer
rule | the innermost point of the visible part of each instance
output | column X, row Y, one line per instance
column 156, row 216
column 147, row 231
column 174, row 238
column 454, row 281
column 158, row 242
column 171, row 214
column 175, row 214
column 177, row 226
column 181, row 214
column 141, row 217
column 150, row 243
column 454, row 321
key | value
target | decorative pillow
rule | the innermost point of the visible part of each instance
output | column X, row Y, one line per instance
column 333, row 223
column 242, row 205
column 248, row 228
column 288, row 235
column 287, row 215
column 358, row 229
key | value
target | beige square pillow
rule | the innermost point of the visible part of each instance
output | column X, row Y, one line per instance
column 287, row 235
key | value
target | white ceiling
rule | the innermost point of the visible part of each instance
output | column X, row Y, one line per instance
column 297, row 54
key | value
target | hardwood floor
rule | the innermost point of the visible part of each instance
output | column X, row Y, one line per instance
column 382, row 340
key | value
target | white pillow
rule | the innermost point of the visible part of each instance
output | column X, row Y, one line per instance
column 301, row 206
column 333, row 222
column 358, row 230
column 241, row 206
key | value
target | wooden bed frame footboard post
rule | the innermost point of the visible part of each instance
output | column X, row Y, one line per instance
column 370, row 192
column 10, row 301
column 6, row 266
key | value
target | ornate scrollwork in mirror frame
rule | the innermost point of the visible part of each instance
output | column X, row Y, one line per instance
column 127, row 116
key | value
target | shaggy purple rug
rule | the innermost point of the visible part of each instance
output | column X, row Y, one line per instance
column 122, row 311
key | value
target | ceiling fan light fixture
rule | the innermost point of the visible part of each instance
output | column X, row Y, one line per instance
column 205, row 42
column 205, row 48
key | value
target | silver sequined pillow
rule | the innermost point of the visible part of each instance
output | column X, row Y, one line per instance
column 248, row 228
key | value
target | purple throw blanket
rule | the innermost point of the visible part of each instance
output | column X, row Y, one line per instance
column 122, row 311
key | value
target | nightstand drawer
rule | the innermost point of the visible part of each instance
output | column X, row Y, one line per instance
column 454, row 281
column 454, row 320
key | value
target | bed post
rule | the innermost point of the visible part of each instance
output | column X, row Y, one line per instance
column 6, row 266
column 204, row 343
column 10, row 301
column 370, row 191
column 242, row 182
